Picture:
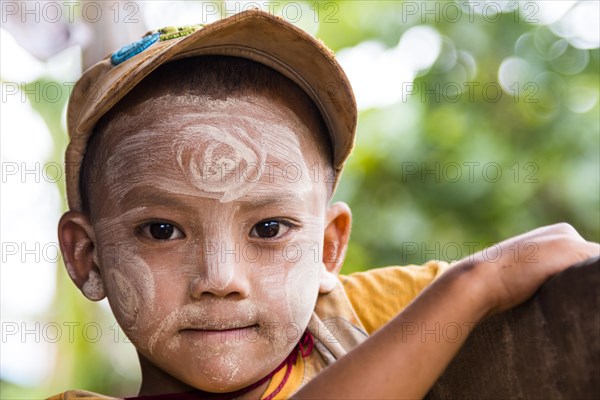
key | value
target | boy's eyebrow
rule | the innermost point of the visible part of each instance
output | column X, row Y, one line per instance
column 153, row 195
column 150, row 195
column 287, row 200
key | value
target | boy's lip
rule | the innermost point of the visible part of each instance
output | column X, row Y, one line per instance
column 221, row 334
column 219, row 328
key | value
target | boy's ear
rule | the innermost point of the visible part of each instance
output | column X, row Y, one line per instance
column 77, row 244
column 338, row 221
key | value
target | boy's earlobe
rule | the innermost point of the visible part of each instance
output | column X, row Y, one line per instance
column 338, row 221
column 77, row 244
column 327, row 280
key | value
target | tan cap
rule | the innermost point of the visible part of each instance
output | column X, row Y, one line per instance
column 254, row 35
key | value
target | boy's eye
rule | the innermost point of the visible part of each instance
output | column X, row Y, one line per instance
column 269, row 229
column 161, row 231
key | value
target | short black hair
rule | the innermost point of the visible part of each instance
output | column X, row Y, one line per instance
column 216, row 77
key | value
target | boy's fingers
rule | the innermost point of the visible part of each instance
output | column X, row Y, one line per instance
column 594, row 249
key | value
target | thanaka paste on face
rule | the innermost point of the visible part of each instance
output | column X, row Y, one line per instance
column 168, row 158
column 222, row 163
column 219, row 151
column 133, row 287
column 218, row 272
column 277, row 287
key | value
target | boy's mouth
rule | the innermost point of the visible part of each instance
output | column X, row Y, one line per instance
column 247, row 333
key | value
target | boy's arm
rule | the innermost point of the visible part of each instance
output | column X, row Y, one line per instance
column 399, row 362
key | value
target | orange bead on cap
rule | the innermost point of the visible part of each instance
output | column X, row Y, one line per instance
column 255, row 35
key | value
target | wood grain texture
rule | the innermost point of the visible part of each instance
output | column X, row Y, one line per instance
column 549, row 347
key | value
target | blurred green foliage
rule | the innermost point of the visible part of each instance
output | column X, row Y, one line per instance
column 423, row 179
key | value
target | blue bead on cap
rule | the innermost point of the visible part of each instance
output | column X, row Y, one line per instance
column 130, row 50
column 167, row 33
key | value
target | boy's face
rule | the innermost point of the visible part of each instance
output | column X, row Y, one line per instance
column 209, row 225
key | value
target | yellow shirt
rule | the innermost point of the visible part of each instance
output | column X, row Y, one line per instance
column 361, row 304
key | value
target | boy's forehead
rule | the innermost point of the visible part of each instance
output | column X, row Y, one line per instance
column 157, row 106
column 269, row 127
column 165, row 107
column 234, row 149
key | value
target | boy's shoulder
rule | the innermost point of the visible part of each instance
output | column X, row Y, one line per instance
column 365, row 301
column 378, row 295
column 80, row 394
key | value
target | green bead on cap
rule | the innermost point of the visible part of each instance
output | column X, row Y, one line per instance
column 172, row 32
column 166, row 33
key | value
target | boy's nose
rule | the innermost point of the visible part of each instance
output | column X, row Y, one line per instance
column 201, row 287
column 220, row 276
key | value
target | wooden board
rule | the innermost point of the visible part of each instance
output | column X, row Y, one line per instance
column 549, row 347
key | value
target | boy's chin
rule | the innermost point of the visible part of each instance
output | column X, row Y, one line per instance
column 219, row 368
column 222, row 376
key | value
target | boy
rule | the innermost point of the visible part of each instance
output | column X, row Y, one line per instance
column 201, row 165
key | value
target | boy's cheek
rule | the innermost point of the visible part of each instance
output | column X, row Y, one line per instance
column 289, row 290
column 302, row 291
column 283, row 277
column 131, row 294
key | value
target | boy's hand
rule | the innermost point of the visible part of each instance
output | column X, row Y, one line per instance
column 511, row 271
